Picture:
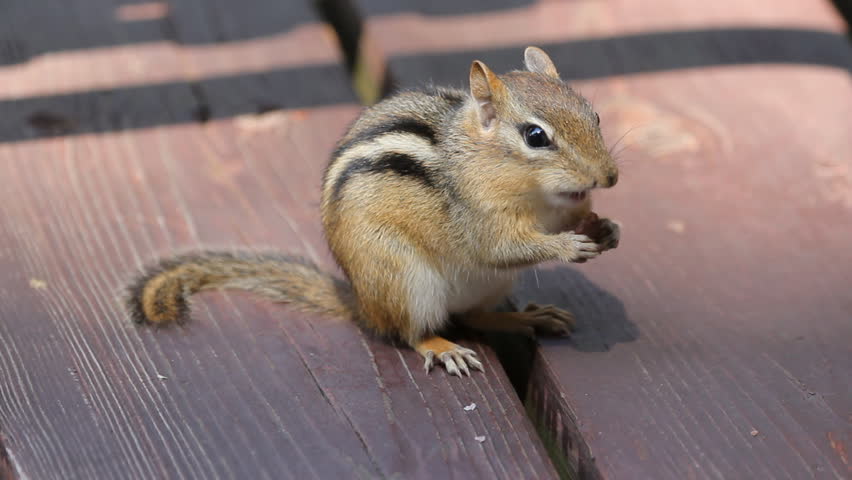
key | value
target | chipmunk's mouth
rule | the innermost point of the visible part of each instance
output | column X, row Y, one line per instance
column 574, row 196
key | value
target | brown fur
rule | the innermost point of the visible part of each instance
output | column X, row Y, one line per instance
column 430, row 203
column 161, row 294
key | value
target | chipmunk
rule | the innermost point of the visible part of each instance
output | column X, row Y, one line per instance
column 431, row 204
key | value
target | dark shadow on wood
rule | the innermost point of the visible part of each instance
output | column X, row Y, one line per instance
column 844, row 7
column 173, row 103
column 515, row 353
column 601, row 318
column 28, row 30
column 348, row 24
column 643, row 53
column 179, row 102
column 438, row 7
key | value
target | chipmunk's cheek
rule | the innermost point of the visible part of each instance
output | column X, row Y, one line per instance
column 560, row 189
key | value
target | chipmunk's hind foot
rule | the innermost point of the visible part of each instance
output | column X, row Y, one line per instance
column 456, row 359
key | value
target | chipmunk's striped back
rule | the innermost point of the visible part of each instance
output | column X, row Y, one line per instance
column 401, row 136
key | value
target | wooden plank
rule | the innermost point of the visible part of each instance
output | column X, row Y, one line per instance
column 714, row 342
column 605, row 39
column 196, row 21
column 114, row 23
column 736, row 368
column 716, row 322
column 141, row 106
column 175, row 77
column 438, row 8
column 247, row 389
column 28, row 33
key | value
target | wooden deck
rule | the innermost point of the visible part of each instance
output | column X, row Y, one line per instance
column 716, row 342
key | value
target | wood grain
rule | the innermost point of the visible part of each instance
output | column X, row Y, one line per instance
column 247, row 389
column 727, row 304
column 714, row 343
column 207, row 61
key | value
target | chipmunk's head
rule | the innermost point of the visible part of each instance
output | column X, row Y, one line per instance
column 537, row 122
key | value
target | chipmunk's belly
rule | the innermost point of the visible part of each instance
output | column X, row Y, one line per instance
column 472, row 289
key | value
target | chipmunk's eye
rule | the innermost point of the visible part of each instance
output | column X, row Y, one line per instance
column 597, row 118
column 536, row 137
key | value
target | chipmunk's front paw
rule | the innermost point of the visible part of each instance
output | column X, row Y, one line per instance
column 580, row 247
column 610, row 234
column 603, row 231
column 456, row 359
column 549, row 320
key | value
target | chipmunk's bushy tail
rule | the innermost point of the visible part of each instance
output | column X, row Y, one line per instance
column 161, row 294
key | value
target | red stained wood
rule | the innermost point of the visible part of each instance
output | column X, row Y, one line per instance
column 714, row 343
column 725, row 311
column 247, row 389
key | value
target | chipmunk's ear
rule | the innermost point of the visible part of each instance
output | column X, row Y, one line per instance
column 486, row 89
column 539, row 62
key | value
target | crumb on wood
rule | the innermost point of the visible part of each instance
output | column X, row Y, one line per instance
column 676, row 226
column 470, row 407
column 38, row 284
column 261, row 122
column 480, row 438
column 754, row 432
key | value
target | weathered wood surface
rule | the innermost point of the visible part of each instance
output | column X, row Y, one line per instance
column 599, row 39
column 715, row 342
column 731, row 288
column 247, row 389
column 206, row 62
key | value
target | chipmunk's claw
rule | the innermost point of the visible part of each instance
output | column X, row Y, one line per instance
column 430, row 361
column 457, row 360
column 476, row 364
column 450, row 364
